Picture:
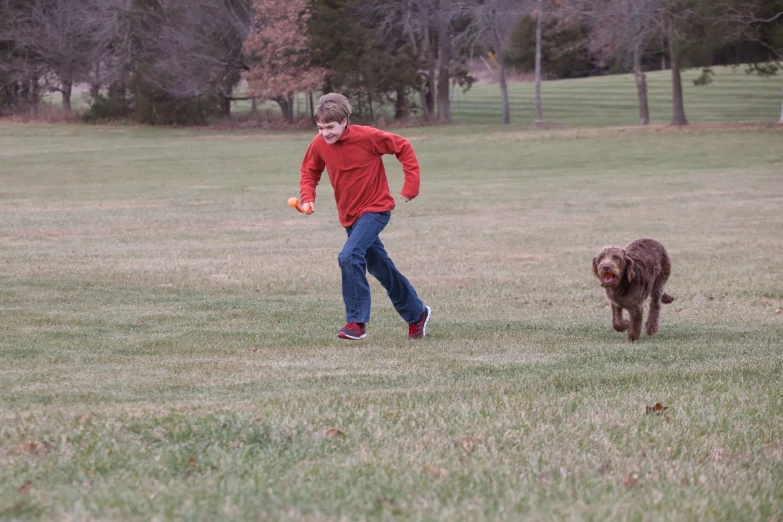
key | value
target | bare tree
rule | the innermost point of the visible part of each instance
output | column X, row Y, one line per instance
column 631, row 27
column 188, row 49
column 406, row 22
column 60, row 41
column 492, row 22
column 540, row 14
column 623, row 30
column 748, row 20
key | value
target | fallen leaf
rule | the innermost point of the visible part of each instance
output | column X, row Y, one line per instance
column 25, row 487
column 192, row 459
column 334, row 433
column 779, row 310
column 436, row 471
column 467, row 444
column 630, row 479
column 658, row 409
column 391, row 504
column 717, row 454
column 28, row 446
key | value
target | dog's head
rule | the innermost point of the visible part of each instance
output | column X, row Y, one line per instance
column 611, row 264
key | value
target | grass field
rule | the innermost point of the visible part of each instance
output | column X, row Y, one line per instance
column 732, row 97
column 168, row 349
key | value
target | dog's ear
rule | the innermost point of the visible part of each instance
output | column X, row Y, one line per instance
column 629, row 267
column 598, row 257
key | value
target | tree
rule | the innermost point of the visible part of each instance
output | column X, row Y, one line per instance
column 371, row 64
column 279, row 46
column 58, row 42
column 634, row 26
column 189, row 51
column 623, row 30
column 760, row 22
column 492, row 24
column 435, row 33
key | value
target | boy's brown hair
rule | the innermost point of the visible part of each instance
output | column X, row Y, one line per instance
column 332, row 107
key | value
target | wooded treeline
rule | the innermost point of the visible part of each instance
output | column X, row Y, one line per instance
column 184, row 61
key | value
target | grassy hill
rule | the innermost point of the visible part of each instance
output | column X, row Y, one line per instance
column 732, row 97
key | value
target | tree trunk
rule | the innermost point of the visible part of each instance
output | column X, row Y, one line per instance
column 444, row 52
column 286, row 104
column 428, row 91
column 678, row 105
column 95, row 84
column 539, row 24
column 312, row 107
column 117, row 99
column 781, row 108
column 253, row 106
column 641, row 87
column 401, row 105
column 34, row 94
column 504, row 93
column 67, row 88
column 225, row 106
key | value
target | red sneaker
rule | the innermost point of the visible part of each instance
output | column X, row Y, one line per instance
column 418, row 329
column 352, row 331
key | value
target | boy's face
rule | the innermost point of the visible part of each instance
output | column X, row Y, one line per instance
column 332, row 131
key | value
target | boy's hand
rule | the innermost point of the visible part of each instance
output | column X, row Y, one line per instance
column 406, row 198
column 308, row 207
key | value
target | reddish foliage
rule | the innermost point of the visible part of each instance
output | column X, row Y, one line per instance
column 280, row 44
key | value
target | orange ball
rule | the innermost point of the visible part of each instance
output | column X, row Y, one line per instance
column 293, row 202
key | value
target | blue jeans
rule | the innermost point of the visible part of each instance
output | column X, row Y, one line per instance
column 363, row 252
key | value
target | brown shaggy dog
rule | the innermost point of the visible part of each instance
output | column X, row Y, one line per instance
column 629, row 276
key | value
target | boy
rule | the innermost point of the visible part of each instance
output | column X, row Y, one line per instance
column 352, row 157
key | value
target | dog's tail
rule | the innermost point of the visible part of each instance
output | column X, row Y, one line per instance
column 666, row 298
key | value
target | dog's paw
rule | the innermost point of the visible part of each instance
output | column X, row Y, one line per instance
column 621, row 326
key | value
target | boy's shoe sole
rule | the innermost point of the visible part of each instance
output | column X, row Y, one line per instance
column 343, row 335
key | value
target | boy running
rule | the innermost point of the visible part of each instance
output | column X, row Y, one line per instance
column 352, row 157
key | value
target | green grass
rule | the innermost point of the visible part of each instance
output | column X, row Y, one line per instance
column 732, row 97
column 168, row 349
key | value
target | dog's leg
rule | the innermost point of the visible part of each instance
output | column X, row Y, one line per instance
column 618, row 323
column 635, row 328
column 653, row 321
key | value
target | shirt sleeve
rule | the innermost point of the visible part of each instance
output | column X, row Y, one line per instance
column 310, row 173
column 388, row 143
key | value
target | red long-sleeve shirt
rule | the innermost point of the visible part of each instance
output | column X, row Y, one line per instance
column 356, row 171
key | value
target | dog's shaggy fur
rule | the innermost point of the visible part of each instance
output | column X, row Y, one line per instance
column 629, row 276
